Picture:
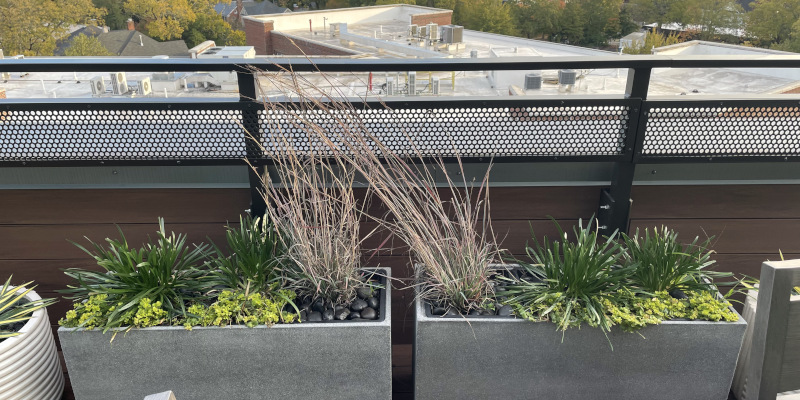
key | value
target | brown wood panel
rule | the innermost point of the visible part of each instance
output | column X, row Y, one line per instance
column 46, row 274
column 121, row 205
column 735, row 236
column 708, row 202
column 43, row 242
column 519, row 203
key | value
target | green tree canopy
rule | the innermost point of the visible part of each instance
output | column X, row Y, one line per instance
column 485, row 15
column 212, row 27
column 774, row 22
column 32, row 27
column 83, row 45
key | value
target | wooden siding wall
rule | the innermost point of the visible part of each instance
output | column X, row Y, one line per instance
column 750, row 223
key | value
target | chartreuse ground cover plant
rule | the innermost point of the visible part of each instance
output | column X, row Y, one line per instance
column 15, row 309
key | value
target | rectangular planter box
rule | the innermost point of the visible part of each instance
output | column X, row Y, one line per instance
column 331, row 360
column 507, row 358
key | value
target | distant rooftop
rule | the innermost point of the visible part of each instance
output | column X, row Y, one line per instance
column 127, row 43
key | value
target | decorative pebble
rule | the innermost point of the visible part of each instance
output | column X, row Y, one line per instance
column 505, row 311
column 354, row 315
column 364, row 292
column 373, row 302
column 342, row 314
column 450, row 312
column 318, row 305
column 315, row 316
column 358, row 305
column 678, row 294
column 327, row 315
column 369, row 313
column 475, row 312
column 438, row 311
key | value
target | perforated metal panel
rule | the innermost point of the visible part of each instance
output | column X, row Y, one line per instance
column 470, row 132
column 722, row 131
column 32, row 135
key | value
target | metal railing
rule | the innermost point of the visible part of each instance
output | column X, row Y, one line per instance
column 627, row 129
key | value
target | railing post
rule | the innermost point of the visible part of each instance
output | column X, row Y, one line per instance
column 255, row 154
column 615, row 202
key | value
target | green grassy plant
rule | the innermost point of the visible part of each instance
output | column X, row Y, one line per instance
column 164, row 273
column 15, row 308
column 662, row 263
column 571, row 279
column 251, row 261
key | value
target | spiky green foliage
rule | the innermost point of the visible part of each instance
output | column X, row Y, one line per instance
column 163, row 271
column 252, row 259
column 15, row 308
column 662, row 263
column 571, row 279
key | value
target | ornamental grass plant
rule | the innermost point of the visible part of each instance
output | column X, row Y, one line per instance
column 445, row 224
column 16, row 309
column 152, row 283
column 251, row 261
column 571, row 279
column 630, row 282
column 663, row 263
column 312, row 203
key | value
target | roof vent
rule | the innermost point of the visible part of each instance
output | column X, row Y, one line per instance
column 533, row 81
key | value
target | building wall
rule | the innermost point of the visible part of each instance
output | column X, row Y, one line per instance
column 258, row 34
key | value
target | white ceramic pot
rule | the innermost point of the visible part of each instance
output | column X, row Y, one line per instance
column 29, row 365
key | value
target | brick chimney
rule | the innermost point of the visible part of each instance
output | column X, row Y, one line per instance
column 131, row 25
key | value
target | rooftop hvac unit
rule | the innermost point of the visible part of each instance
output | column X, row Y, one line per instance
column 98, row 85
column 119, row 85
column 413, row 30
column 473, row 54
column 452, row 34
column 412, row 83
column 422, row 31
column 533, row 81
column 433, row 31
column 567, row 76
column 437, row 85
column 144, row 87
column 390, row 86
column 458, row 34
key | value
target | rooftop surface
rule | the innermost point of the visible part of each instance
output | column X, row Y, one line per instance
column 383, row 32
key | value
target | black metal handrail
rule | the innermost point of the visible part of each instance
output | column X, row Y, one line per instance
column 632, row 129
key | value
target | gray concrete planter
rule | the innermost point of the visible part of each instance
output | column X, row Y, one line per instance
column 507, row 358
column 332, row 360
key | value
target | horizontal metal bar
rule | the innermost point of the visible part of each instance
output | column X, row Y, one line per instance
column 714, row 158
column 122, row 163
column 99, row 64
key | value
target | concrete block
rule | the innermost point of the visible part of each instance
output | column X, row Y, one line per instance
column 168, row 395
column 507, row 358
column 332, row 360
